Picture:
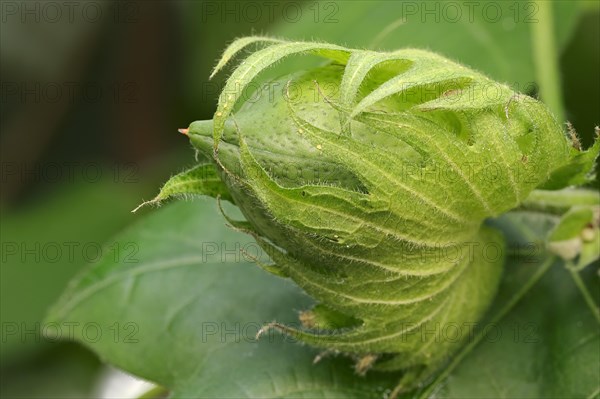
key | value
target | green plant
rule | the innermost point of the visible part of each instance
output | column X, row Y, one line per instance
column 359, row 194
column 197, row 308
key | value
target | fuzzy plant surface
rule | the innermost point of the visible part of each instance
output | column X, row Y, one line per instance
column 370, row 179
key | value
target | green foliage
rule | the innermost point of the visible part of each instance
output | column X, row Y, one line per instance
column 325, row 175
column 196, row 308
column 42, row 254
column 187, row 313
column 351, row 246
column 491, row 36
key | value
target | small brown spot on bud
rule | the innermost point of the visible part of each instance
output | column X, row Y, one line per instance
column 450, row 92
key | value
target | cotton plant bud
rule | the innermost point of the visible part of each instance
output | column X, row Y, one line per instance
column 369, row 179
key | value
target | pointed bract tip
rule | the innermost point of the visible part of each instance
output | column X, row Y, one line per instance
column 183, row 131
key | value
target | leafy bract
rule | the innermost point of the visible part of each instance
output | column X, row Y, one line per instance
column 488, row 35
column 378, row 255
column 202, row 179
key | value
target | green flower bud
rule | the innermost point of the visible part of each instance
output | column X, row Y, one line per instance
column 368, row 181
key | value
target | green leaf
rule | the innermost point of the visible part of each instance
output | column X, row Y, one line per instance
column 547, row 345
column 44, row 244
column 187, row 313
column 191, row 327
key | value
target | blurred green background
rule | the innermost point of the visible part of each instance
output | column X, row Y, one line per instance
column 93, row 93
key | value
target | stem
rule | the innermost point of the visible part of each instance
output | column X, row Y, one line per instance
column 499, row 316
column 559, row 201
column 545, row 59
column 585, row 293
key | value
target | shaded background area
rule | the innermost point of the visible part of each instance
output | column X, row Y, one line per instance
column 91, row 99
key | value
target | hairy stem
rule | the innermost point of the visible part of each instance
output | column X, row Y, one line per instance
column 558, row 202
